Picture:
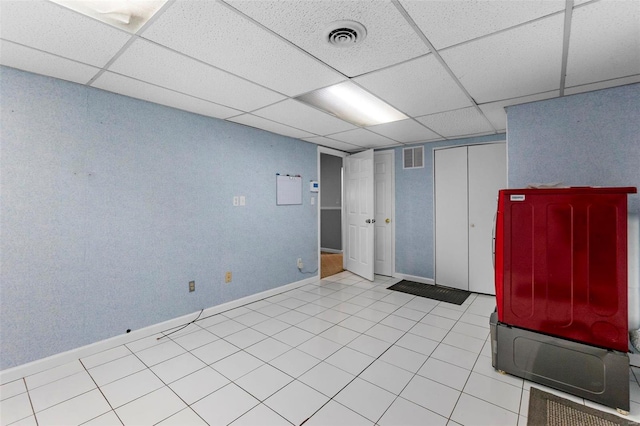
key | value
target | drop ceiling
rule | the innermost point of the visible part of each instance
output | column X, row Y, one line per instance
column 451, row 66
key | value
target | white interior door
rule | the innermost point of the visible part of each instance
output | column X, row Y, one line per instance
column 487, row 174
column 384, row 212
column 359, row 190
column 452, row 247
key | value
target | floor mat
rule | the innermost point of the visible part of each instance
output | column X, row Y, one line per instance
column 546, row 409
column 436, row 292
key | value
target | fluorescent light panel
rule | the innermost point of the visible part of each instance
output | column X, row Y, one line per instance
column 351, row 103
column 129, row 15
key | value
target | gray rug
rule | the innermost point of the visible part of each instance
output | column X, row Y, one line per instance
column 546, row 409
column 436, row 292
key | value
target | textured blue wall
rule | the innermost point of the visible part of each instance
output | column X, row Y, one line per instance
column 414, row 209
column 111, row 205
column 589, row 139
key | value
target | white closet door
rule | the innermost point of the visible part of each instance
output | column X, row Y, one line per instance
column 452, row 248
column 487, row 174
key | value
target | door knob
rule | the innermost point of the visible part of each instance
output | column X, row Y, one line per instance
column 387, row 220
column 368, row 220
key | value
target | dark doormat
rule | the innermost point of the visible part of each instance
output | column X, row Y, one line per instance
column 436, row 292
column 546, row 409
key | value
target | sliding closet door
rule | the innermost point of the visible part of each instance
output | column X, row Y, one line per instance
column 487, row 174
column 467, row 180
column 452, row 255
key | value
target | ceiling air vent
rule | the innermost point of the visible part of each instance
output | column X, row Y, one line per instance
column 345, row 33
column 413, row 158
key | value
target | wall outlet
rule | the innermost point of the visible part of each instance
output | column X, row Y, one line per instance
column 227, row 277
column 300, row 264
column 192, row 286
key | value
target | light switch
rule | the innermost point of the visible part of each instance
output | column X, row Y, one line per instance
column 243, row 200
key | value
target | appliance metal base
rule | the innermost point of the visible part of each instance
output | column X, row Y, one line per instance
column 589, row 372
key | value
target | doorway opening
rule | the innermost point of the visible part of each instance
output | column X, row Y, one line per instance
column 331, row 247
column 365, row 244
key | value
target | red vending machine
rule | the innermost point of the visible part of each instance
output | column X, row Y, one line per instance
column 561, row 263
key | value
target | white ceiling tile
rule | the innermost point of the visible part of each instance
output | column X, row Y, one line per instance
column 461, row 122
column 602, row 85
column 496, row 115
column 418, row 87
column 495, row 111
column 52, row 28
column 24, row 58
column 140, row 90
column 604, row 42
column 149, row 62
column 239, row 46
column 446, row 23
column 332, row 143
column 405, row 131
column 512, row 63
column 271, row 126
column 298, row 115
column 363, row 137
column 390, row 39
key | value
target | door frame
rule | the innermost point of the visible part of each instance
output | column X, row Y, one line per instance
column 343, row 155
column 335, row 153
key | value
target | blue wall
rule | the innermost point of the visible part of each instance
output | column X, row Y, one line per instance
column 111, row 205
column 585, row 139
column 589, row 139
column 414, row 210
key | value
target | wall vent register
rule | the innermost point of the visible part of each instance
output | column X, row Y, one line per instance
column 413, row 157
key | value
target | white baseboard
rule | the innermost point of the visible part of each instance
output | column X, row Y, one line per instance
column 414, row 278
column 56, row 360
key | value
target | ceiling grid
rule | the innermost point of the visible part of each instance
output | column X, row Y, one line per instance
column 450, row 67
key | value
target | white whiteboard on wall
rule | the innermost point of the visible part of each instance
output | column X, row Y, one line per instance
column 288, row 190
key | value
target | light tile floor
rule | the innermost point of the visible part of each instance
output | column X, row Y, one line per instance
column 342, row 351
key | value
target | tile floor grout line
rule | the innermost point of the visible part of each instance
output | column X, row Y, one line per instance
column 376, row 292
column 101, row 393
column 379, row 358
column 24, row 380
column 488, row 402
column 348, row 383
column 161, row 381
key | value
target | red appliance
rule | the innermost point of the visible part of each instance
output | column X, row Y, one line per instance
column 561, row 263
